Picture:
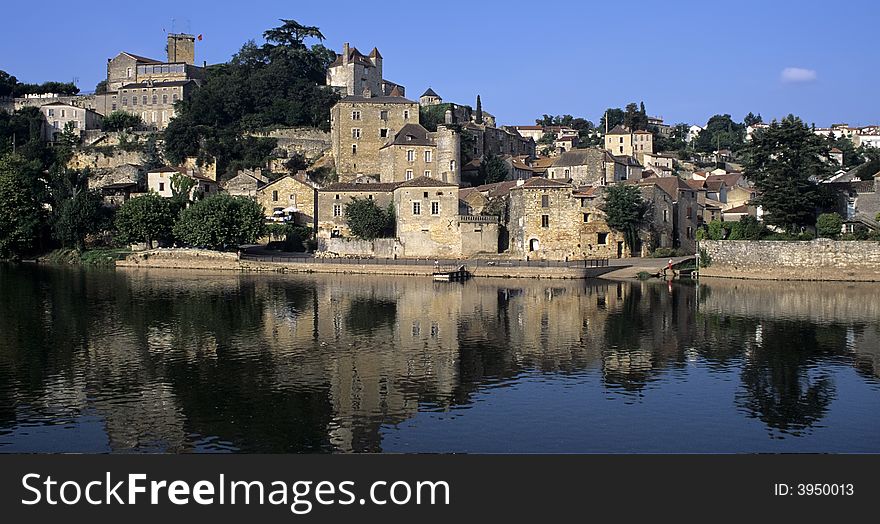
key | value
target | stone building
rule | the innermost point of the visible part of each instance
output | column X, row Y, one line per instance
column 426, row 211
column 552, row 220
column 620, row 141
column 361, row 125
column 583, row 167
column 332, row 199
column 58, row 114
column 352, row 73
column 246, row 183
column 147, row 87
column 685, row 212
column 160, row 180
column 415, row 152
column 482, row 139
column 153, row 101
column 290, row 198
column 430, row 98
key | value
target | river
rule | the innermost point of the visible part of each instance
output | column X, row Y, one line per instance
column 183, row 361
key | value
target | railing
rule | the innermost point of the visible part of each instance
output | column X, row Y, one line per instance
column 478, row 219
column 471, row 264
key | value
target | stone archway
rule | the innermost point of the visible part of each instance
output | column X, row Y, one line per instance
column 534, row 244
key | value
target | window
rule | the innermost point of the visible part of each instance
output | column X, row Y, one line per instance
column 354, row 149
column 164, row 99
column 134, row 100
column 425, row 194
column 153, row 117
column 274, row 196
column 51, row 112
column 690, row 212
column 545, row 200
column 545, row 220
column 144, row 100
column 602, row 238
column 417, row 208
column 435, row 208
column 410, row 156
column 56, row 125
column 161, row 186
column 337, row 210
column 586, row 217
column 128, row 72
column 621, row 140
column 155, row 99
column 62, row 113
column 427, row 154
column 383, row 115
column 174, row 97
column 383, row 133
column 355, row 115
column 113, row 107
column 409, row 174
column 355, row 133
column 164, row 116
column 666, row 215
column 428, row 173
column 124, row 101
column 406, row 114
column 452, row 165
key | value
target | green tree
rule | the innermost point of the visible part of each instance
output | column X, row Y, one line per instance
column 632, row 116
column 367, row 220
column 145, row 218
column 277, row 84
column 785, row 162
column 721, row 132
column 829, row 225
column 546, row 144
column 181, row 190
column 221, row 221
column 625, row 211
column 121, row 120
column 7, row 84
column 752, row 119
column 751, row 228
column 21, row 209
column 79, row 216
column 479, row 114
column 493, row 169
column 614, row 116
column 101, row 87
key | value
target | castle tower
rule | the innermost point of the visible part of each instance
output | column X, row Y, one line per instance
column 448, row 143
column 181, row 48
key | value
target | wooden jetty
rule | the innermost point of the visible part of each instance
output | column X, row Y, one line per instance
column 456, row 275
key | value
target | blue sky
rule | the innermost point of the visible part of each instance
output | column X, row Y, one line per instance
column 686, row 60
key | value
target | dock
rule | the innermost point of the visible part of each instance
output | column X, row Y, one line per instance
column 456, row 275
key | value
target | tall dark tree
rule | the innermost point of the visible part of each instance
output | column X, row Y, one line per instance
column 721, row 132
column 643, row 117
column 614, row 116
column 478, row 115
column 631, row 117
column 21, row 208
column 787, row 162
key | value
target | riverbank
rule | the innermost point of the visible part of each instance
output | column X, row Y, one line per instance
column 816, row 260
column 213, row 260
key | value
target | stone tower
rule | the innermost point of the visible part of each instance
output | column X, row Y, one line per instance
column 181, row 48
column 448, row 143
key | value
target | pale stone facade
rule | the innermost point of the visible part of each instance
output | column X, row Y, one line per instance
column 549, row 220
column 57, row 115
column 622, row 142
column 583, row 167
column 159, row 182
column 290, row 196
column 426, row 214
column 414, row 152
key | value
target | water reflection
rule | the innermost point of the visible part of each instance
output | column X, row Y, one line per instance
column 185, row 361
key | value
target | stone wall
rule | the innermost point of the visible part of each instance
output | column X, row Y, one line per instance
column 182, row 259
column 378, row 248
column 815, row 260
column 98, row 160
column 310, row 142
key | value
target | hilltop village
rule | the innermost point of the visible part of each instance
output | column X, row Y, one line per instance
column 447, row 178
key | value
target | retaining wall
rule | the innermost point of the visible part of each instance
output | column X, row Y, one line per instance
column 777, row 260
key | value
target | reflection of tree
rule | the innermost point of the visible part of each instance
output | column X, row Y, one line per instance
column 367, row 314
column 779, row 387
column 626, row 362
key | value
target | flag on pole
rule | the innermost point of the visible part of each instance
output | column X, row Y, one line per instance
column 200, row 38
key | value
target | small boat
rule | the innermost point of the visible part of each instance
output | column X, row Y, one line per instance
column 459, row 274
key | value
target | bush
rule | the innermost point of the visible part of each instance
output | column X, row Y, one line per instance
column 829, row 225
column 121, row 120
column 220, row 222
column 667, row 252
column 750, row 228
